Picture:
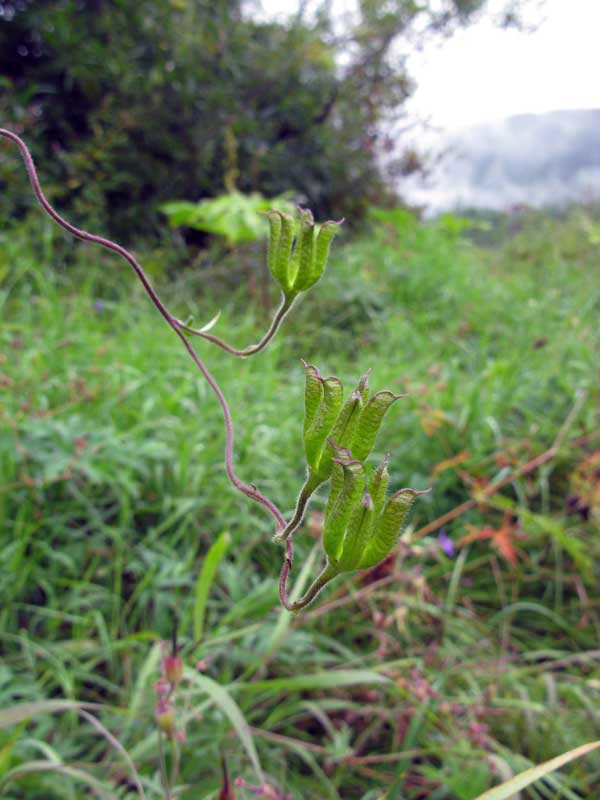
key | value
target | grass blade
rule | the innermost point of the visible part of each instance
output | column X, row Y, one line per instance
column 319, row 680
column 221, row 697
column 514, row 785
column 32, row 767
column 209, row 567
column 25, row 711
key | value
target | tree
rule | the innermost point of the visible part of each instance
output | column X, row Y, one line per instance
column 132, row 104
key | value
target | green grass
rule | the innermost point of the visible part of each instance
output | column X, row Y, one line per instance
column 447, row 675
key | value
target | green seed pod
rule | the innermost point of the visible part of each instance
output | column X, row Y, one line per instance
column 378, row 485
column 342, row 455
column 341, row 434
column 274, row 218
column 338, row 513
column 324, row 238
column 313, row 394
column 388, row 527
column 281, row 270
column 358, row 533
column 370, row 422
column 303, row 259
column 315, row 436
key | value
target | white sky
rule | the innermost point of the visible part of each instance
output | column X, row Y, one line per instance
column 484, row 73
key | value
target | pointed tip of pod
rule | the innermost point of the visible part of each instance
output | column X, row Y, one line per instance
column 384, row 464
column 312, row 367
column 388, row 393
column 367, row 501
column 270, row 211
column 410, row 492
column 364, row 380
column 340, row 451
column 306, row 215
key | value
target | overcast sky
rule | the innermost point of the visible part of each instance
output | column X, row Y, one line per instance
column 483, row 73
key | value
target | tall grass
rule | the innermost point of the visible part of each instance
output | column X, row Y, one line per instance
column 435, row 676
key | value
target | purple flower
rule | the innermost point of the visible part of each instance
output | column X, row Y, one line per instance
column 446, row 543
column 98, row 306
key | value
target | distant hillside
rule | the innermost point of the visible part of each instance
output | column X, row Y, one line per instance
column 536, row 159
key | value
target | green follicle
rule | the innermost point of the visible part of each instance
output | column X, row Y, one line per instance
column 284, row 254
column 274, row 218
column 302, row 261
column 326, row 233
column 358, row 534
column 339, row 509
column 370, row 422
column 378, row 485
column 341, row 434
column 388, row 527
column 324, row 417
column 313, row 394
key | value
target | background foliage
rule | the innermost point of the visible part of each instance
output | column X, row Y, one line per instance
column 469, row 657
column 132, row 104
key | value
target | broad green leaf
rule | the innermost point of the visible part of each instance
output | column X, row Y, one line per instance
column 508, row 789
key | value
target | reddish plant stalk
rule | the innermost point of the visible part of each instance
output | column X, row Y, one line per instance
column 250, row 491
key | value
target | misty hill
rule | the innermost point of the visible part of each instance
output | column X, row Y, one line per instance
column 537, row 159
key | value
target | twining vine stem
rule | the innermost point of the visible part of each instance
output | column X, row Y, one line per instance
column 250, row 491
column 286, row 304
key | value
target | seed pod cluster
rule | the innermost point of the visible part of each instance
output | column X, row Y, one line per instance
column 329, row 423
column 360, row 527
column 298, row 250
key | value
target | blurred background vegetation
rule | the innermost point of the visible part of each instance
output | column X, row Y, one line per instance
column 466, row 658
column 131, row 104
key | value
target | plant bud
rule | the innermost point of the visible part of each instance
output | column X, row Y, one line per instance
column 165, row 719
column 357, row 534
column 339, row 510
column 173, row 666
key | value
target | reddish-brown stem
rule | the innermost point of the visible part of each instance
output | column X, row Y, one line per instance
column 285, row 571
column 250, row 491
column 328, row 573
column 286, row 304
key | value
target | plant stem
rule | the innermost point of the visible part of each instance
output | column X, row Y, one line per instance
column 253, row 349
column 250, row 491
column 328, row 573
column 306, row 493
